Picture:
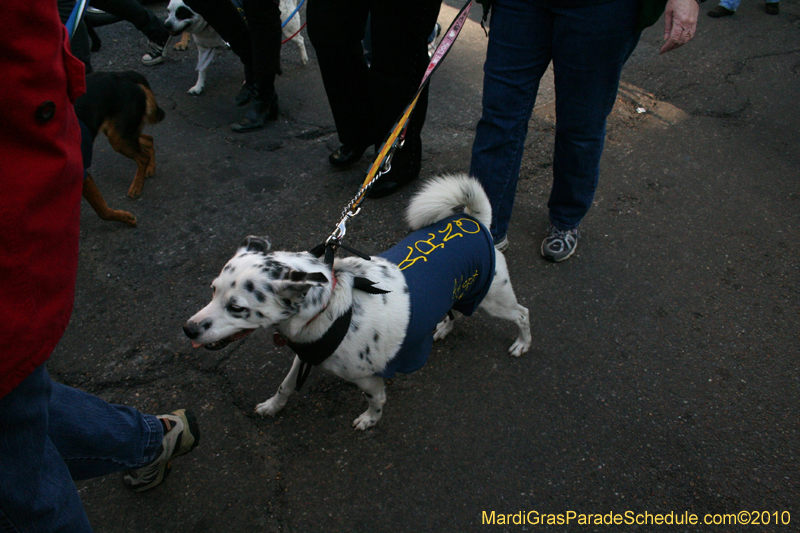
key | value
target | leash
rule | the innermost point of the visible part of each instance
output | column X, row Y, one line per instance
column 293, row 14
column 396, row 137
column 76, row 15
column 294, row 34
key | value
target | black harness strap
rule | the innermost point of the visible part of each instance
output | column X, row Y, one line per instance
column 314, row 353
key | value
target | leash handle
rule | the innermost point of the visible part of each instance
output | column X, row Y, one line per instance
column 396, row 137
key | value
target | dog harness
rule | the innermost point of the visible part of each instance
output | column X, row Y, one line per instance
column 449, row 265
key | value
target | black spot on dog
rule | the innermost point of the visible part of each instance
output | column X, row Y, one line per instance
column 368, row 395
column 184, row 13
column 377, row 336
column 405, row 289
column 385, row 299
column 366, row 351
column 378, row 411
column 249, row 285
column 361, row 355
column 259, row 296
column 233, row 284
column 259, row 314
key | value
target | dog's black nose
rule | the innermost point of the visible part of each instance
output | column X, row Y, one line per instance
column 194, row 330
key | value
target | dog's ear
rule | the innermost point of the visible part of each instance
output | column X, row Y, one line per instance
column 295, row 284
column 256, row 244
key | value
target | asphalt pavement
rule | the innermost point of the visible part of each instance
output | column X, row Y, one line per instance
column 663, row 378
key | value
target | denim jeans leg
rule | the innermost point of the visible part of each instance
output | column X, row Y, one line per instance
column 590, row 46
column 517, row 57
column 37, row 494
column 96, row 438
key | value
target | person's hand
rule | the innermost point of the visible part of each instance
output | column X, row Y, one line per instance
column 680, row 22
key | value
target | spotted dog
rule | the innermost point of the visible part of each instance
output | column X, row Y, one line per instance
column 365, row 319
column 181, row 19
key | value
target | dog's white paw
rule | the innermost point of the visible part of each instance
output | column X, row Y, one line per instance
column 195, row 90
column 443, row 328
column 366, row 420
column 519, row 347
column 270, row 407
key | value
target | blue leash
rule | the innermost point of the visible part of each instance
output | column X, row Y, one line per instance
column 76, row 16
column 293, row 13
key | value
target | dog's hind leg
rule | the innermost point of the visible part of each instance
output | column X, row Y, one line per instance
column 147, row 153
column 277, row 402
column 501, row 302
column 98, row 203
column 145, row 158
column 444, row 327
column 374, row 389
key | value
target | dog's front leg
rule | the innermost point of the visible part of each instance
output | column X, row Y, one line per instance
column 183, row 44
column 277, row 402
column 201, row 83
column 374, row 389
column 95, row 199
column 204, row 57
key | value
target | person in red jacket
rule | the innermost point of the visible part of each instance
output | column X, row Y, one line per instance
column 51, row 434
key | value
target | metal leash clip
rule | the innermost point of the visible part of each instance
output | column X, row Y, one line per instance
column 341, row 227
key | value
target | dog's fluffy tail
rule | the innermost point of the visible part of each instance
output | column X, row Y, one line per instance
column 441, row 197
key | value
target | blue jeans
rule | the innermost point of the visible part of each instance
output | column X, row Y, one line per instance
column 51, row 434
column 588, row 47
column 734, row 4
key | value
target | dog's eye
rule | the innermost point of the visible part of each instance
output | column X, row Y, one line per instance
column 233, row 308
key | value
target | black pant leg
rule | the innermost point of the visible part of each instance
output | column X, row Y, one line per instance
column 264, row 23
column 336, row 28
column 142, row 18
column 400, row 30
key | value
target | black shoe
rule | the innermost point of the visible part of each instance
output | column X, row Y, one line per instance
column 406, row 164
column 245, row 94
column 772, row 8
column 346, row 155
column 720, row 11
column 258, row 114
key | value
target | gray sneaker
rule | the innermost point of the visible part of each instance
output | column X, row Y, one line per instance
column 154, row 56
column 181, row 436
column 559, row 244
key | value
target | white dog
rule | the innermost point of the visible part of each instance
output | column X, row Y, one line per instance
column 182, row 19
column 365, row 319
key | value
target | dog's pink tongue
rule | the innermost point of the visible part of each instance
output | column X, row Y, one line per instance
column 196, row 345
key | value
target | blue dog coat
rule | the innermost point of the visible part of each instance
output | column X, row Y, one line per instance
column 449, row 265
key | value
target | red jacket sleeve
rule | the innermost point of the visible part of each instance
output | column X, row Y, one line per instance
column 40, row 185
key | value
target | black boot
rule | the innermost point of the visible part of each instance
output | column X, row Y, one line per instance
column 244, row 95
column 258, row 114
